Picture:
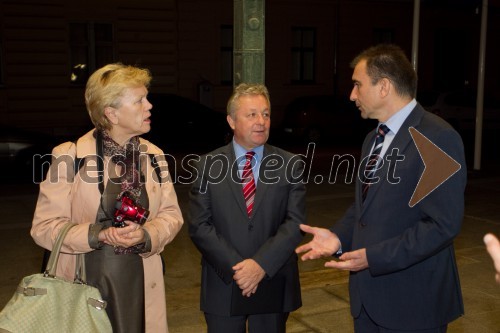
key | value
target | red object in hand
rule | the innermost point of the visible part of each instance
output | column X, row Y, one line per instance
column 128, row 209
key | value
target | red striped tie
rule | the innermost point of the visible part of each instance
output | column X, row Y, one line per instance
column 248, row 182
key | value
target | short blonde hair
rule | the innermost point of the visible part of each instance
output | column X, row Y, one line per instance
column 106, row 86
column 244, row 89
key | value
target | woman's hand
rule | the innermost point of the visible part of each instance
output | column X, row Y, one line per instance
column 127, row 236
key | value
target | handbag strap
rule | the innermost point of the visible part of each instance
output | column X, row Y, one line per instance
column 54, row 255
column 80, row 274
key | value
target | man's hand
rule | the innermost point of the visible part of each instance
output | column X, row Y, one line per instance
column 324, row 243
column 350, row 261
column 248, row 274
column 493, row 247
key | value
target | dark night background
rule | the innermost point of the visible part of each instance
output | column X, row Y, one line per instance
column 49, row 47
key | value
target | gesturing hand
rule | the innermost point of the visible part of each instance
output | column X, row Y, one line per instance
column 350, row 261
column 324, row 243
column 493, row 247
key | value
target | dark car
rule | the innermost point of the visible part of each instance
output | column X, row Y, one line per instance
column 181, row 124
column 324, row 118
column 24, row 154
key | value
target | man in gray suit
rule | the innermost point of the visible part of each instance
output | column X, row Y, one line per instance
column 403, row 272
column 246, row 206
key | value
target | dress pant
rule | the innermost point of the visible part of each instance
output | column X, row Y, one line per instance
column 364, row 324
column 259, row 323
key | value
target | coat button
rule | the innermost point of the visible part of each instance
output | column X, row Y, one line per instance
column 362, row 225
column 250, row 227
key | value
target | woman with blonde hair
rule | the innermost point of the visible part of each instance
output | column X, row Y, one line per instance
column 114, row 167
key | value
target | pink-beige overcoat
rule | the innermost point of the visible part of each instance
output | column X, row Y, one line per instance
column 62, row 200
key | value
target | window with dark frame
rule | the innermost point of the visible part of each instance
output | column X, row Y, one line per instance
column 303, row 54
column 91, row 46
column 226, row 52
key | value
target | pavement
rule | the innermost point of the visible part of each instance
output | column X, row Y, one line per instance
column 324, row 291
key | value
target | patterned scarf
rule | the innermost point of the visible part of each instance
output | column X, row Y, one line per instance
column 128, row 157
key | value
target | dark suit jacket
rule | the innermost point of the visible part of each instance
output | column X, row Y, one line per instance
column 412, row 281
column 225, row 235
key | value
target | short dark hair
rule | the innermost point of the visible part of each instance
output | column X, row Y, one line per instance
column 389, row 61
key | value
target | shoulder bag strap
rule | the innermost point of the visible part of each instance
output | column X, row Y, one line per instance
column 54, row 255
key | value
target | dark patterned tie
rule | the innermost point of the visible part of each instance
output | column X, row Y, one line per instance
column 374, row 158
column 248, row 182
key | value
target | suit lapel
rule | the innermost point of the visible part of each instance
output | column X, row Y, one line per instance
column 233, row 180
column 401, row 141
column 237, row 187
column 262, row 187
column 365, row 153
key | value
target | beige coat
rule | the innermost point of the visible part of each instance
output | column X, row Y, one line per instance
column 61, row 201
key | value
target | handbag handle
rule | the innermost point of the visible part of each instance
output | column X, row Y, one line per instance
column 80, row 274
column 54, row 255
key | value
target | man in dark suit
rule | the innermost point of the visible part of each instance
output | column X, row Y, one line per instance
column 403, row 272
column 247, row 240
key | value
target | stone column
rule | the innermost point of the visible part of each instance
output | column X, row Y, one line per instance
column 249, row 41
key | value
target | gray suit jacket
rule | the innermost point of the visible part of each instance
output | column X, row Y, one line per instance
column 412, row 281
column 225, row 235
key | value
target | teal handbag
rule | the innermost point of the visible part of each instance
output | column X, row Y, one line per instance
column 46, row 303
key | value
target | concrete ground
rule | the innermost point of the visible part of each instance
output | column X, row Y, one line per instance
column 325, row 296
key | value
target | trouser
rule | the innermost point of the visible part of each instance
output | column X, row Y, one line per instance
column 259, row 323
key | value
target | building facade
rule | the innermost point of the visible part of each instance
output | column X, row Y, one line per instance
column 48, row 48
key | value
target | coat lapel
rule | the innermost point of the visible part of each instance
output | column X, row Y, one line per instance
column 233, row 180
column 262, row 187
column 237, row 187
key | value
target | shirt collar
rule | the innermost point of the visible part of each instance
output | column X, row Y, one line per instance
column 396, row 121
column 239, row 151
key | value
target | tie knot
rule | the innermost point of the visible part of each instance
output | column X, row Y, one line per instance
column 383, row 129
column 249, row 155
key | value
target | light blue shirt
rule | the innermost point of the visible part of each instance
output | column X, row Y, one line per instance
column 394, row 123
column 240, row 152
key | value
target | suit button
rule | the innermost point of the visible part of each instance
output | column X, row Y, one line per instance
column 250, row 227
column 362, row 225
